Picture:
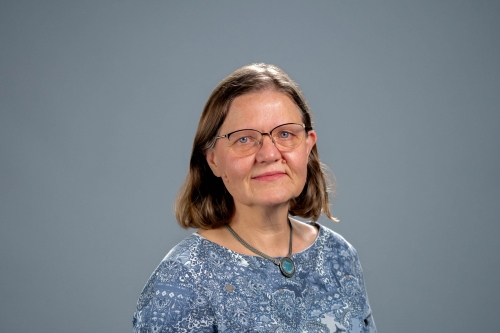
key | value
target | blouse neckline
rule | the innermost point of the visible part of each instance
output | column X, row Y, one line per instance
column 312, row 223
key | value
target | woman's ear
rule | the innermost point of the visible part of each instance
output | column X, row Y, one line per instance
column 212, row 163
column 311, row 140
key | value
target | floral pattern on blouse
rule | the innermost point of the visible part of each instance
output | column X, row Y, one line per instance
column 201, row 286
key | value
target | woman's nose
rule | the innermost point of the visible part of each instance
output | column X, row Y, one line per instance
column 268, row 150
column 270, row 137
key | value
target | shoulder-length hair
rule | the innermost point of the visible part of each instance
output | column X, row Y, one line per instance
column 203, row 201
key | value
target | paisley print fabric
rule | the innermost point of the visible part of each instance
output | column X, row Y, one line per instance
column 201, row 286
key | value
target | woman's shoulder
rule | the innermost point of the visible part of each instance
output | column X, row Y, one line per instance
column 331, row 239
column 184, row 249
column 169, row 294
column 175, row 273
column 178, row 262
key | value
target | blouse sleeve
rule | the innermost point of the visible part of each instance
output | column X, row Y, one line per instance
column 170, row 302
column 368, row 323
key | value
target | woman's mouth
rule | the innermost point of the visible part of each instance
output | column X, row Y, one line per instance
column 270, row 175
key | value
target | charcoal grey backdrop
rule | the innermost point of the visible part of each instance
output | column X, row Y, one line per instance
column 99, row 101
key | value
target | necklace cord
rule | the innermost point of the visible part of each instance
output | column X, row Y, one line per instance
column 262, row 254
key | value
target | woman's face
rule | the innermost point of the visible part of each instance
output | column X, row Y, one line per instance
column 269, row 176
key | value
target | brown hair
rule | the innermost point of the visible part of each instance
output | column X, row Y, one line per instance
column 203, row 201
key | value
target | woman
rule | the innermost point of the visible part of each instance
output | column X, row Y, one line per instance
column 251, row 267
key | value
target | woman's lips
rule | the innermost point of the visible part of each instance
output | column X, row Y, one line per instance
column 270, row 175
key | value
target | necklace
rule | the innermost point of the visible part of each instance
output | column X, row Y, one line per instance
column 286, row 264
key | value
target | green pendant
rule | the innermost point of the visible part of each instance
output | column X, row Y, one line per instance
column 287, row 267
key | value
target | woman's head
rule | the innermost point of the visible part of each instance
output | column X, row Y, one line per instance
column 203, row 201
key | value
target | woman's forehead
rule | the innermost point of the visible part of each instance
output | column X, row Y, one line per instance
column 262, row 111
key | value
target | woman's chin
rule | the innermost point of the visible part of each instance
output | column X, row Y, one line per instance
column 271, row 201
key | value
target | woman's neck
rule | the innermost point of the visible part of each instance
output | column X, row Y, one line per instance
column 265, row 228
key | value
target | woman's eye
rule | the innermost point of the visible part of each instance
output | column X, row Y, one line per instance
column 284, row 135
column 243, row 139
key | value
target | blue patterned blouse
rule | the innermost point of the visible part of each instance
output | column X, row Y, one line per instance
column 201, row 286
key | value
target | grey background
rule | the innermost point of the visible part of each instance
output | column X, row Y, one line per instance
column 99, row 102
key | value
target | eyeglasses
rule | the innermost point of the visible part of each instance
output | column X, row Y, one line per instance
column 285, row 137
